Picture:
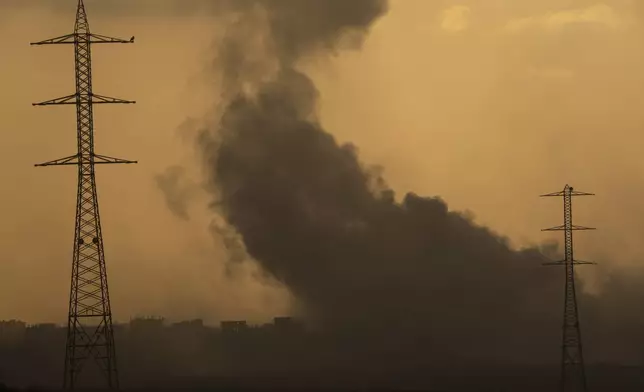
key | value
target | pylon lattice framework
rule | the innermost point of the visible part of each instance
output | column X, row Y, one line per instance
column 89, row 331
column 573, row 373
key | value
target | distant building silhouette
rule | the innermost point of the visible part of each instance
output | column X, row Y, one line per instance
column 150, row 350
column 233, row 327
column 153, row 353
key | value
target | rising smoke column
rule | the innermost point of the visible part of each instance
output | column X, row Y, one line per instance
column 401, row 278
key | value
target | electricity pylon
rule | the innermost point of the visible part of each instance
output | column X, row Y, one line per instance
column 573, row 373
column 89, row 329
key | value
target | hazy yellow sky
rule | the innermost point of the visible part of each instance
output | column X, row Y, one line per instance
column 487, row 103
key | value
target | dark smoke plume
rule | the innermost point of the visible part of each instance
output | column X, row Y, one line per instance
column 397, row 279
column 328, row 227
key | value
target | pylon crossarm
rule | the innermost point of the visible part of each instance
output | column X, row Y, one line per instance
column 567, row 191
column 555, row 228
column 575, row 227
column 105, row 160
column 100, row 99
column 66, row 100
column 67, row 161
column 92, row 98
column 577, row 193
column 563, row 228
column 575, row 262
column 573, row 193
column 64, row 39
column 560, row 193
column 93, row 39
column 103, row 39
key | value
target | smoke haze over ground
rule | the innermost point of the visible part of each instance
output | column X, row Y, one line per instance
column 486, row 104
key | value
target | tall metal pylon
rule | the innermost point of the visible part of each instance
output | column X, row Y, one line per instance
column 573, row 373
column 89, row 330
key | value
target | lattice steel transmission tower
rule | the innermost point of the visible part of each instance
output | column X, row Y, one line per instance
column 89, row 332
column 573, row 373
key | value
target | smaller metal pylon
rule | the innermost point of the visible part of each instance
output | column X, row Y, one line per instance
column 573, row 373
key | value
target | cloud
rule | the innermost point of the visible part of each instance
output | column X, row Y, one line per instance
column 456, row 18
column 600, row 14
